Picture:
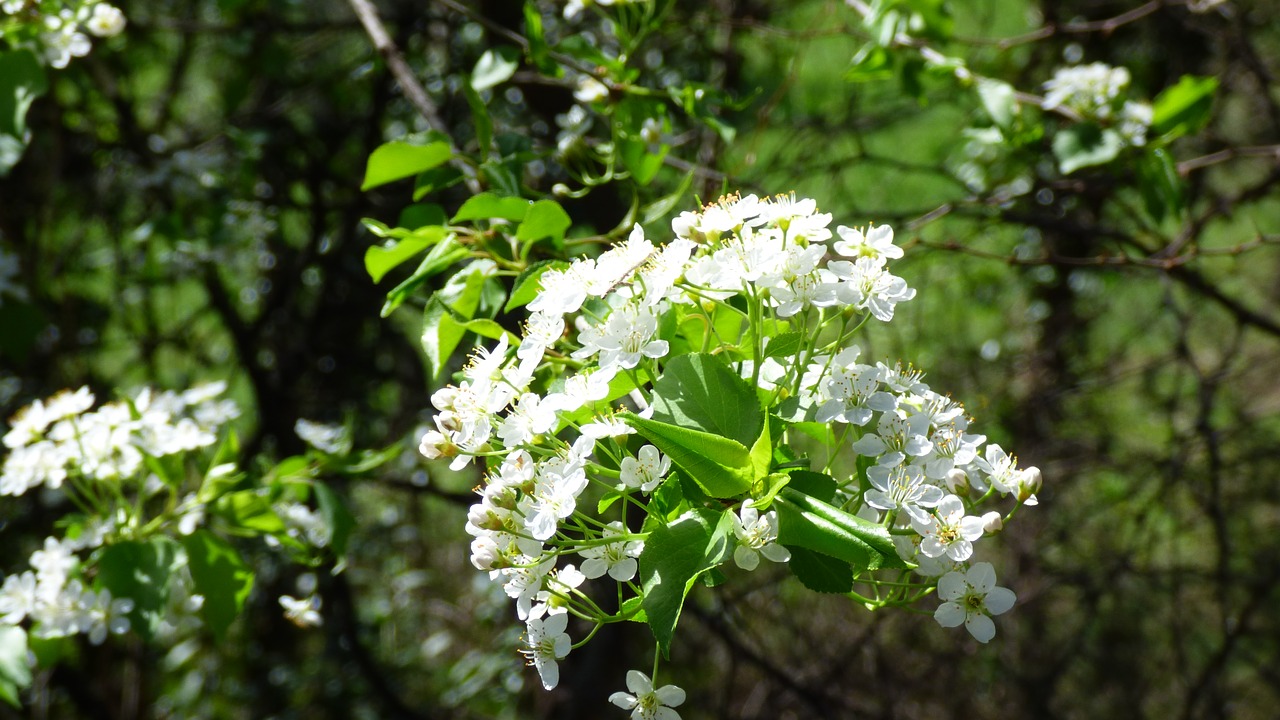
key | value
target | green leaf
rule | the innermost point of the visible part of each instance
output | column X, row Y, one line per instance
column 815, row 485
column 701, row 392
column 397, row 160
column 659, row 208
column 999, row 100
column 528, row 283
column 807, row 522
column 719, row 465
column 546, row 219
column 337, row 517
column 1184, row 108
column 442, row 330
column 486, row 206
column 1160, row 184
column 378, row 261
column 421, row 215
column 539, row 51
column 437, row 178
column 441, row 256
column 820, row 573
column 673, row 558
column 1085, row 145
column 484, row 327
column 14, row 672
column 870, row 64
column 495, row 67
column 632, row 610
column 140, row 571
column 22, row 80
column 221, row 576
column 250, row 511
column 480, row 117
column 785, row 345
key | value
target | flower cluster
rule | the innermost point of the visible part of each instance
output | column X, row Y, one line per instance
column 739, row 280
column 54, row 439
column 58, row 605
column 1097, row 92
column 58, row 35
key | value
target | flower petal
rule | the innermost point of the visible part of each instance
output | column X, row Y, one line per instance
column 999, row 600
column 951, row 586
column 949, row 614
column 670, row 695
column 980, row 627
column 981, row 577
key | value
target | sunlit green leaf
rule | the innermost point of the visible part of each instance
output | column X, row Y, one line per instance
column 674, row 556
column 220, row 576
column 397, row 160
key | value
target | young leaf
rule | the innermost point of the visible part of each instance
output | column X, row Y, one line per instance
column 441, row 256
column 1160, row 184
column 336, row 516
column 1184, row 108
column 140, row 571
column 479, row 116
column 442, row 330
column 539, row 52
column 495, row 67
column 820, row 573
column 251, row 512
column 546, row 219
column 397, row 160
column 221, row 576
column 378, row 261
column 486, row 206
column 999, row 100
column 673, row 558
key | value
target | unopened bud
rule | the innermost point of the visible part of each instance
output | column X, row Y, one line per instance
column 560, row 190
column 958, row 481
column 1029, row 482
column 992, row 523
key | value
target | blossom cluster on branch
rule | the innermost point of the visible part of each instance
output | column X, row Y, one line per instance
column 707, row 391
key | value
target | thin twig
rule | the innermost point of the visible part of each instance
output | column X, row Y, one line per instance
column 413, row 90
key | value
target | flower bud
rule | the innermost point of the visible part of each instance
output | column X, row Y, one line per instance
column 958, row 482
column 992, row 523
column 1029, row 482
column 485, row 554
column 560, row 190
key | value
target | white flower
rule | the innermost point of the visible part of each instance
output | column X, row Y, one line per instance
column 1088, row 89
column 546, row 642
column 618, row 559
column 623, row 338
column 106, row 615
column 557, row 485
column 106, row 21
column 18, row 598
column 903, row 489
column 876, row 243
column 646, row 703
column 971, row 598
column 54, row 562
column 530, row 417
column 950, row 531
column 303, row 612
column 757, row 535
column 895, row 439
column 852, row 391
column 646, row 472
column 866, row 285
